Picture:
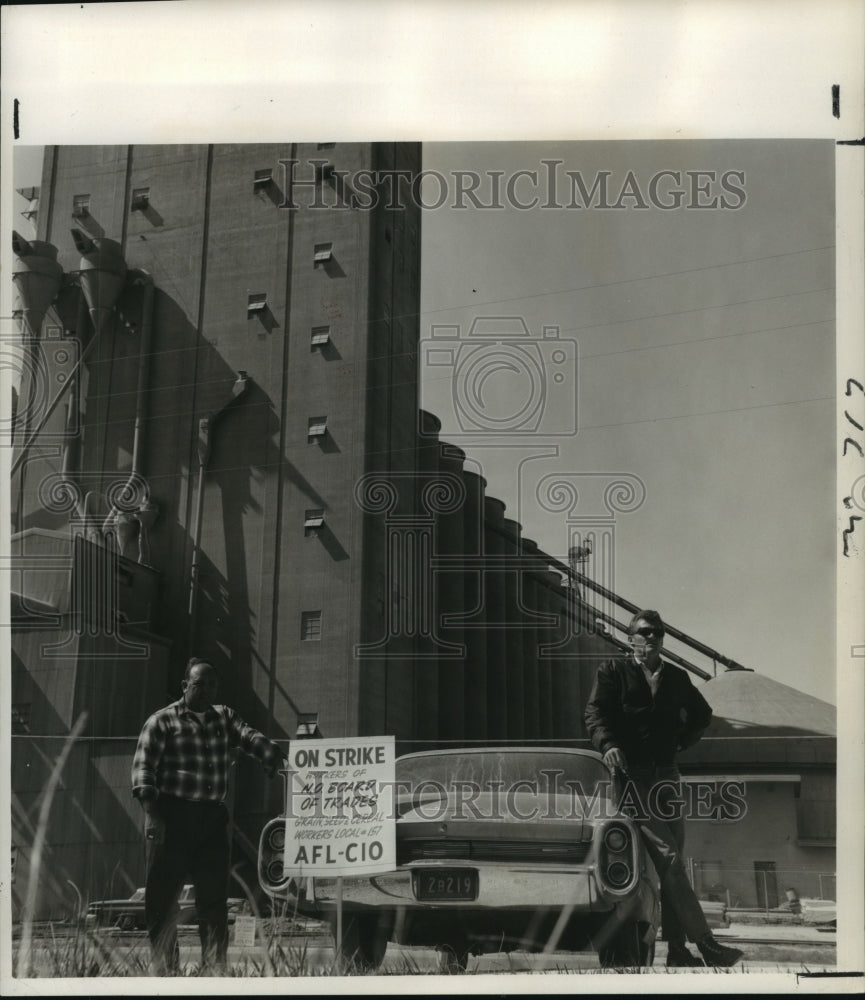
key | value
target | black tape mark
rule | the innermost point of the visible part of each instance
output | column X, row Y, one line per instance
column 852, row 421
column 16, row 132
column 857, row 384
column 829, row 975
column 851, row 142
column 836, row 100
column 845, row 534
column 855, row 444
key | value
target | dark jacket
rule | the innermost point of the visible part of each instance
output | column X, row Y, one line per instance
column 622, row 713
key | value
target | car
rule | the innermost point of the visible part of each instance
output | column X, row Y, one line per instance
column 497, row 849
column 128, row 914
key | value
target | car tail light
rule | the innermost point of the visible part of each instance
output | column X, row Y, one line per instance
column 271, row 867
column 618, row 861
column 276, row 837
column 616, row 839
column 275, row 870
column 618, row 874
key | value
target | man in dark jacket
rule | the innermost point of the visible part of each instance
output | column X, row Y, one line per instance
column 640, row 713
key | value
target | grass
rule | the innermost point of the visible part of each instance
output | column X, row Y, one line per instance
column 98, row 953
column 74, row 953
column 24, row 961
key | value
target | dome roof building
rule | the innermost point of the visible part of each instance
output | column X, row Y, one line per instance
column 760, row 722
column 747, row 703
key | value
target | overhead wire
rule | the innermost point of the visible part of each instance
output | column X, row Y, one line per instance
column 636, row 319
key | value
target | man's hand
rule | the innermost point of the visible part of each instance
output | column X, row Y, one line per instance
column 154, row 827
column 273, row 762
column 615, row 758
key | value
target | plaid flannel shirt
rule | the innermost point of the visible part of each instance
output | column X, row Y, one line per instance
column 177, row 755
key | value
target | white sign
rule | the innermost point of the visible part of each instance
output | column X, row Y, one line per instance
column 339, row 807
column 244, row 932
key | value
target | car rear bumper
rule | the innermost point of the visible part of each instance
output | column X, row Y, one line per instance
column 500, row 887
column 515, row 908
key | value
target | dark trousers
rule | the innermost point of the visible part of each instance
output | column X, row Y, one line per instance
column 196, row 845
column 662, row 828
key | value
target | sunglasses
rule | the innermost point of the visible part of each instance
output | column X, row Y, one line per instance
column 647, row 632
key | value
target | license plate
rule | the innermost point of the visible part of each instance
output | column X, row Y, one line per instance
column 445, row 883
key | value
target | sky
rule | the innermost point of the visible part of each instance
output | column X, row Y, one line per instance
column 705, row 347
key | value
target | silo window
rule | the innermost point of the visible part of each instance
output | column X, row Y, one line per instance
column 317, row 429
column 320, row 336
column 80, row 206
column 256, row 304
column 140, row 199
column 314, row 521
column 323, row 253
column 310, row 626
column 262, row 180
column 307, row 725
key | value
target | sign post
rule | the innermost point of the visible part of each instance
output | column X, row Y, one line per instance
column 338, row 941
column 339, row 811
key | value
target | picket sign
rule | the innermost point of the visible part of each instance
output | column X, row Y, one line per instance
column 339, row 810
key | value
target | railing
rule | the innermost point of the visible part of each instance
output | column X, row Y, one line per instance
column 676, row 633
column 687, row 640
column 770, row 889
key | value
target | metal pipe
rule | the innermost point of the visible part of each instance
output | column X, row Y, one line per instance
column 71, row 455
column 29, row 440
column 82, row 357
column 574, row 611
column 205, row 426
column 203, row 430
column 23, row 419
column 666, row 654
column 67, row 462
column 143, row 372
column 683, row 637
column 144, row 348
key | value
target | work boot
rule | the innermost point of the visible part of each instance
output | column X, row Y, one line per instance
column 679, row 957
column 715, row 953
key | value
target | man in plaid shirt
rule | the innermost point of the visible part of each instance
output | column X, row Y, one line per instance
column 180, row 777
